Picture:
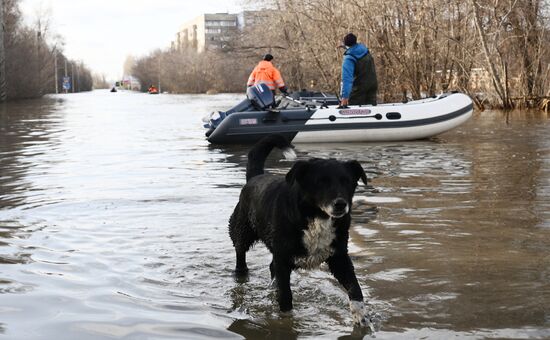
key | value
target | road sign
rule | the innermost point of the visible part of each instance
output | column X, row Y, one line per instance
column 67, row 83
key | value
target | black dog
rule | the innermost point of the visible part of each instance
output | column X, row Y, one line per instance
column 303, row 219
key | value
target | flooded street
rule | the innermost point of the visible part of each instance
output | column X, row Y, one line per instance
column 114, row 211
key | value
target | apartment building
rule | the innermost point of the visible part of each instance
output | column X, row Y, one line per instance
column 207, row 31
column 212, row 31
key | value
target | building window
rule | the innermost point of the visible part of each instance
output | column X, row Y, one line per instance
column 213, row 30
column 217, row 23
column 228, row 23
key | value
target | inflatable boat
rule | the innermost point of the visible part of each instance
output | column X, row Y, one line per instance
column 319, row 119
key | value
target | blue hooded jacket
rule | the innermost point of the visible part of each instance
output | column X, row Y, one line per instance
column 351, row 55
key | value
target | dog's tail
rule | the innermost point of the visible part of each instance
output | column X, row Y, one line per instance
column 259, row 152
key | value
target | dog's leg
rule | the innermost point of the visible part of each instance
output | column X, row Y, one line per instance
column 241, row 268
column 342, row 269
column 243, row 238
column 282, row 270
column 272, row 283
column 272, row 270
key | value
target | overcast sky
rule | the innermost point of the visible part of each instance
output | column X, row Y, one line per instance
column 102, row 33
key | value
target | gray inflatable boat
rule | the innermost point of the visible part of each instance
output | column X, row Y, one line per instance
column 319, row 119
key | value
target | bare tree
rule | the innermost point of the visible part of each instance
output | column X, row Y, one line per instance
column 496, row 51
column 31, row 54
column 99, row 81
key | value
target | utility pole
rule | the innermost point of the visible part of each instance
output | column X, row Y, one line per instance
column 72, row 77
column 78, row 77
column 38, row 57
column 3, row 95
column 55, row 71
column 159, row 73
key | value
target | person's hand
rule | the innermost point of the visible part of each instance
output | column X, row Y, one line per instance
column 344, row 102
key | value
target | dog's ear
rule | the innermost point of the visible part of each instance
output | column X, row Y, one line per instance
column 297, row 173
column 357, row 171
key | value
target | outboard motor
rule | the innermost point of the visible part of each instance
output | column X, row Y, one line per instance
column 261, row 96
column 212, row 121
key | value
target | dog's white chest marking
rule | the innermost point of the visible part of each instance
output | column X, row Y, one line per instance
column 317, row 240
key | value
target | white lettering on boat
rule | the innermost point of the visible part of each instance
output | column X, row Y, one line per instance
column 248, row 121
column 355, row 112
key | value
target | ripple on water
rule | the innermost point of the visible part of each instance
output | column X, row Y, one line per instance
column 376, row 199
column 396, row 274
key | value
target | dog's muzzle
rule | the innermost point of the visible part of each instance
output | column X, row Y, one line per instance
column 338, row 208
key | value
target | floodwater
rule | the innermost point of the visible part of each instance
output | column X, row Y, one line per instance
column 113, row 225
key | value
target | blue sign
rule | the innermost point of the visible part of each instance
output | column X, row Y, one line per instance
column 66, row 83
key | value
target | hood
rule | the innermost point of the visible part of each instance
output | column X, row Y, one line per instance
column 358, row 51
column 265, row 64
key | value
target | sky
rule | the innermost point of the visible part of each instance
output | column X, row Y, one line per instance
column 102, row 33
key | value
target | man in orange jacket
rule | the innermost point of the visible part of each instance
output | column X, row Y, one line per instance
column 267, row 74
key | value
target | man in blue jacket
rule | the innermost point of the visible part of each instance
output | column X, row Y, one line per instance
column 359, row 84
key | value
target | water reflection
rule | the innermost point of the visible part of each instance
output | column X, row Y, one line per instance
column 27, row 130
column 113, row 223
column 282, row 328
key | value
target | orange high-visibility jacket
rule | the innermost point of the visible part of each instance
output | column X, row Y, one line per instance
column 267, row 74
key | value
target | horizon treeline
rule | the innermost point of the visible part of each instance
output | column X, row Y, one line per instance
column 495, row 51
column 190, row 72
column 30, row 58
